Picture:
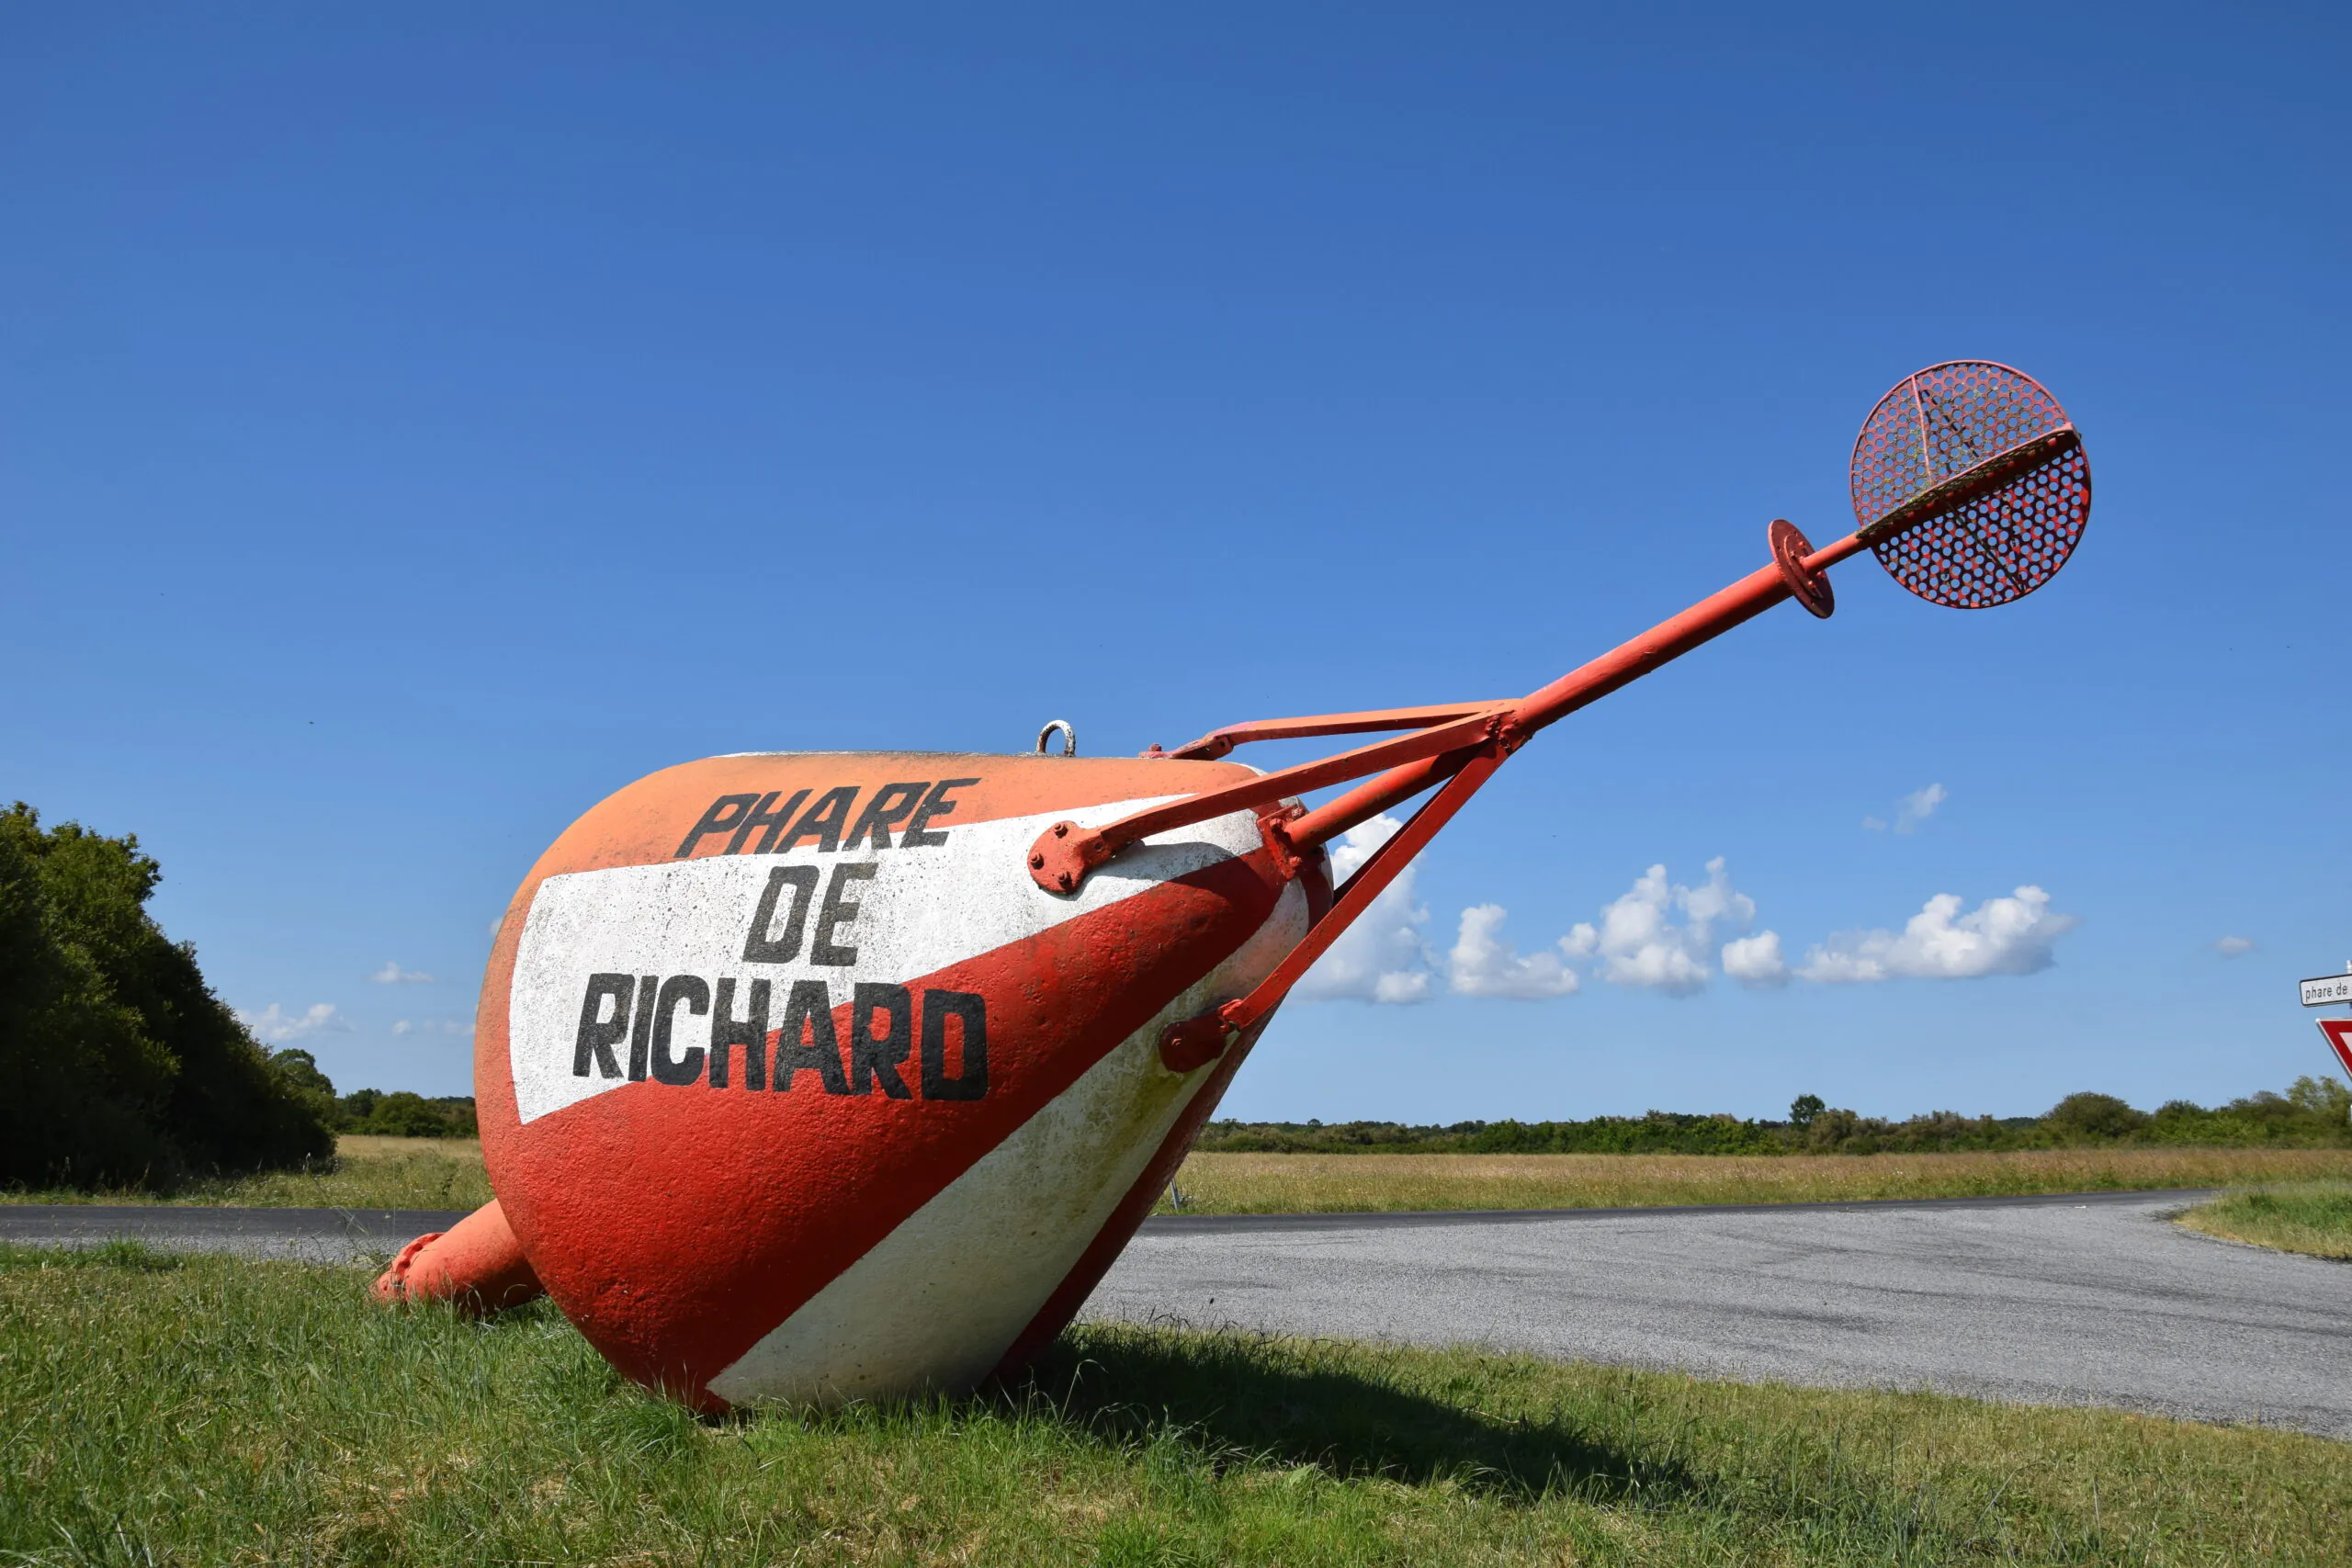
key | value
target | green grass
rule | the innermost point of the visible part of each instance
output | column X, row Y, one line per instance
column 2312, row 1216
column 204, row 1411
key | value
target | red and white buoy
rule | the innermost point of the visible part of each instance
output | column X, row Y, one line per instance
column 793, row 1084
column 820, row 1077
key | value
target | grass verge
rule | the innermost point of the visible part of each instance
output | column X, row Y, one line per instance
column 154, row 1409
column 2313, row 1217
column 1263, row 1184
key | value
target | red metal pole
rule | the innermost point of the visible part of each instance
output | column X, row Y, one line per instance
column 1065, row 852
column 1669, row 639
column 1369, row 799
column 1217, row 742
column 1199, row 1040
column 1628, row 662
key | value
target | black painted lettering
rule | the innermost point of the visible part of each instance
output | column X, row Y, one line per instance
column 891, row 804
column 806, row 1041
column 875, row 1059
column 750, row 1033
column 724, row 813
column 599, row 1034
column 837, row 912
column 823, row 821
column 934, row 805
column 971, row 1014
column 769, row 822
column 761, row 946
column 694, row 992
column 640, row 1035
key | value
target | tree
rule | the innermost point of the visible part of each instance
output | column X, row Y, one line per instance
column 2095, row 1116
column 299, row 1071
column 1804, row 1109
column 2323, row 1098
column 121, row 1065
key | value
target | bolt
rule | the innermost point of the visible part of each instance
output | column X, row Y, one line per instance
column 1037, row 862
column 1061, row 830
column 1068, row 881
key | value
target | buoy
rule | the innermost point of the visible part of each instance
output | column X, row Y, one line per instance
column 817, row 1076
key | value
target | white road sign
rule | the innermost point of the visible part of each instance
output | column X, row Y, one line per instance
column 2327, row 990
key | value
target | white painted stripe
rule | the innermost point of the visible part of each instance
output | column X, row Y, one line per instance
column 924, row 909
column 937, row 1302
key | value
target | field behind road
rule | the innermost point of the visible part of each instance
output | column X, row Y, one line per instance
column 309, row 1426
column 446, row 1173
column 368, row 1173
column 1274, row 1184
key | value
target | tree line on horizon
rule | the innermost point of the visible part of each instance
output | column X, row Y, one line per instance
column 375, row 1112
column 2312, row 1113
column 123, row 1069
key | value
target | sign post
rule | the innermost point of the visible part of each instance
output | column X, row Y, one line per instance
column 2329, row 990
column 2326, row 990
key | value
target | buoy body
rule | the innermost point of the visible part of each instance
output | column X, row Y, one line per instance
column 794, row 1085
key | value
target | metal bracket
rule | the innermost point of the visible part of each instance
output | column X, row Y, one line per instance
column 1284, row 854
column 1195, row 1042
column 1808, row 588
column 1064, row 853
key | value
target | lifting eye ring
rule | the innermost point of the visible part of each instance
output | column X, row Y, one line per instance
column 1069, row 738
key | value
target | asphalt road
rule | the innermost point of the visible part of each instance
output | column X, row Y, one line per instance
column 301, row 1235
column 2076, row 1300
column 2082, row 1300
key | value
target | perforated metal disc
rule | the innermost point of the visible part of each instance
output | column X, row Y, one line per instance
column 1998, row 446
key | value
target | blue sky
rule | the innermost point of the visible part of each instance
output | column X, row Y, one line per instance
column 414, row 427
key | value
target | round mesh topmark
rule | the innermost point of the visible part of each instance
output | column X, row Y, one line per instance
column 1993, row 547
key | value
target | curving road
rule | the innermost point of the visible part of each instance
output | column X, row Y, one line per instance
column 2076, row 1300
column 2073, row 1299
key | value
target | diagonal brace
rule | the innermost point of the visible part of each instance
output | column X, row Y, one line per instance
column 1065, row 852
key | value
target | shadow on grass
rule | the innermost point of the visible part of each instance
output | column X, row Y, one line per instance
column 1295, row 1402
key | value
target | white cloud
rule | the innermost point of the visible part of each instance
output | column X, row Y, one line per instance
column 391, row 974
column 2230, row 946
column 1380, row 958
column 1639, row 943
column 1483, row 964
column 434, row 1026
column 1756, row 962
column 276, row 1025
column 2002, row 936
column 1911, row 810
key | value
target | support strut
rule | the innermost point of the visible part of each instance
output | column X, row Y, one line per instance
column 1459, row 745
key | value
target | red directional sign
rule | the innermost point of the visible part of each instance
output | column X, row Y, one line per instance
column 2339, row 1039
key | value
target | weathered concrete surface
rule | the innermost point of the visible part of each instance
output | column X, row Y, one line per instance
column 2072, row 1301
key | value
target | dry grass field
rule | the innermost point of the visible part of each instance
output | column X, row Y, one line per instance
column 445, row 1173
column 1271, row 1184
